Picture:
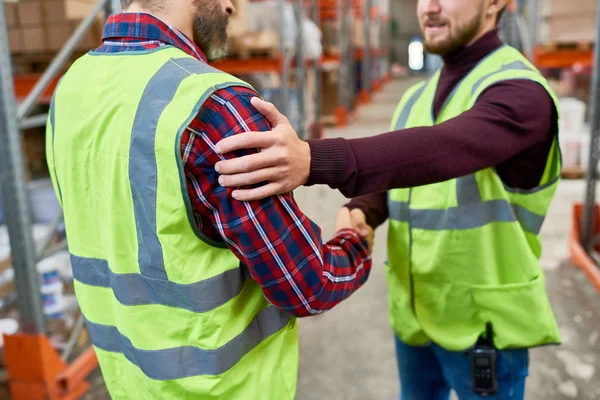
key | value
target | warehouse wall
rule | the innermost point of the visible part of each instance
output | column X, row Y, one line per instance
column 403, row 15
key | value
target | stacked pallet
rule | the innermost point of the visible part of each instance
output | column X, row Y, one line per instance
column 253, row 30
column 43, row 26
column 566, row 22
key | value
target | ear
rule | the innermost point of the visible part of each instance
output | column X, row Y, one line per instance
column 495, row 6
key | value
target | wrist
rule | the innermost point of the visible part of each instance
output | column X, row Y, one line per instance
column 328, row 162
column 306, row 162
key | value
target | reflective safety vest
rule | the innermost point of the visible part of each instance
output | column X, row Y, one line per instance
column 171, row 314
column 466, row 251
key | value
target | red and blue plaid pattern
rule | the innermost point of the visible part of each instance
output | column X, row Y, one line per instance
column 281, row 247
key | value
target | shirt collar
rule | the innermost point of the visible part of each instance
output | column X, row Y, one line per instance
column 147, row 27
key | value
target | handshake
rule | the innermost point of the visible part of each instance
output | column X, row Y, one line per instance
column 356, row 220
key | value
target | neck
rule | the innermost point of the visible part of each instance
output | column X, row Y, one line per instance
column 485, row 29
column 473, row 52
column 171, row 17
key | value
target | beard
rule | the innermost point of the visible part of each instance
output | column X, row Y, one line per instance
column 464, row 33
column 210, row 29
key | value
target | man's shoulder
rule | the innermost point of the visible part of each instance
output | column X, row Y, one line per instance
column 226, row 100
column 235, row 91
column 228, row 110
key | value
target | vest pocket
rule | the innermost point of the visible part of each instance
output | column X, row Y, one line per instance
column 520, row 313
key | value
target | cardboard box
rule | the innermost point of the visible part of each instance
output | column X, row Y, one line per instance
column 15, row 40
column 78, row 9
column 93, row 37
column 329, row 92
column 238, row 25
column 33, row 40
column 57, row 36
column 552, row 8
column 12, row 15
column 30, row 13
column 54, row 11
column 359, row 34
column 580, row 28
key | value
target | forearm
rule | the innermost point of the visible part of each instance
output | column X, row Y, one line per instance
column 280, row 246
column 408, row 158
column 285, row 255
column 313, row 284
column 506, row 121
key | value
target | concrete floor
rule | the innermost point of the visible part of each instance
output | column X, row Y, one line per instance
column 348, row 353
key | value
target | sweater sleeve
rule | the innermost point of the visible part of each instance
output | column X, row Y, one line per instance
column 509, row 118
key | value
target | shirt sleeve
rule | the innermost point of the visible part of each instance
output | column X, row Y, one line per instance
column 281, row 247
column 508, row 118
column 374, row 205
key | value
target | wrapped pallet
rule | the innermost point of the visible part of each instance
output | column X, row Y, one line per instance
column 238, row 25
column 562, row 21
column 44, row 26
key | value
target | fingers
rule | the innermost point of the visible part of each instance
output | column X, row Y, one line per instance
column 269, row 111
column 259, row 193
column 249, row 178
column 359, row 222
column 245, row 164
column 246, row 140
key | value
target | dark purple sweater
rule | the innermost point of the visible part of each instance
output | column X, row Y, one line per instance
column 510, row 127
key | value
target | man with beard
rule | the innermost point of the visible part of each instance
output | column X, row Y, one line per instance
column 466, row 179
column 186, row 292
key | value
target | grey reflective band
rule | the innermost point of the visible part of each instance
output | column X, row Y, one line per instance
column 467, row 190
column 188, row 361
column 468, row 216
column 136, row 289
column 405, row 113
column 398, row 210
column 159, row 92
column 513, row 66
column 52, row 123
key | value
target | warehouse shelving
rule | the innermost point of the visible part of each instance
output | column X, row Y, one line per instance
column 35, row 368
column 585, row 223
column 562, row 58
column 286, row 64
column 584, row 235
column 345, row 13
column 544, row 55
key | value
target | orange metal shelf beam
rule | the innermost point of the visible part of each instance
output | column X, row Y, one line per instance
column 577, row 253
column 359, row 54
column 562, row 58
column 251, row 65
column 24, row 83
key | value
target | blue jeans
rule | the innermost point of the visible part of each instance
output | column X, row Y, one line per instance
column 429, row 373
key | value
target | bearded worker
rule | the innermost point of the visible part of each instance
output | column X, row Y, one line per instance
column 465, row 179
column 187, row 293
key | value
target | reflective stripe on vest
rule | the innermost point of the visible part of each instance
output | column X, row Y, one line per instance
column 151, row 285
column 465, row 252
column 405, row 113
column 470, row 213
column 51, row 125
column 183, row 362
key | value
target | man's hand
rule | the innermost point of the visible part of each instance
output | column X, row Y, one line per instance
column 356, row 220
column 283, row 160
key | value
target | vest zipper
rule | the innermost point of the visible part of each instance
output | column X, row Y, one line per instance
column 410, row 275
